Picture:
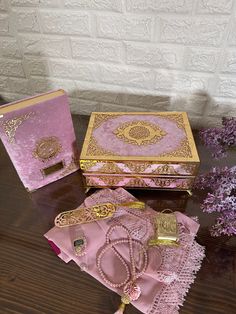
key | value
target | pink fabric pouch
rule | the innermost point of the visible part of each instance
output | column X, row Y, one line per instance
column 171, row 269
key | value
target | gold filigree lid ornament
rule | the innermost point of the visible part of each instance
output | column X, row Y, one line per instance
column 166, row 229
column 139, row 133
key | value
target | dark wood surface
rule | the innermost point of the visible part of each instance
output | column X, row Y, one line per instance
column 33, row 280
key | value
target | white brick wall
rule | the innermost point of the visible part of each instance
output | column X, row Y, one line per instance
column 123, row 55
column 96, row 49
column 158, row 6
column 4, row 24
column 128, row 27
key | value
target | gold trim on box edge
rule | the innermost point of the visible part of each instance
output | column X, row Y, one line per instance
column 138, row 175
column 94, row 162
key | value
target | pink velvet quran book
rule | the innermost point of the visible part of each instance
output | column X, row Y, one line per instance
column 39, row 137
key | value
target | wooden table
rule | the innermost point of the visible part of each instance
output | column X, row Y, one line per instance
column 33, row 280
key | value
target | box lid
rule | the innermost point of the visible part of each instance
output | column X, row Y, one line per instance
column 138, row 136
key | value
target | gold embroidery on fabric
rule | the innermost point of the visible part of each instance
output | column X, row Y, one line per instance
column 139, row 133
column 10, row 126
column 47, row 148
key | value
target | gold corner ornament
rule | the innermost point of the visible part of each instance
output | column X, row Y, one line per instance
column 10, row 126
column 87, row 164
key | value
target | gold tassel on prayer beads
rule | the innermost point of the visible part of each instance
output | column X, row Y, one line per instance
column 121, row 309
column 124, row 301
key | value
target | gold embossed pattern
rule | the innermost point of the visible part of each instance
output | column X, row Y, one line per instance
column 85, row 215
column 166, row 230
column 183, row 150
column 110, row 181
column 137, row 182
column 47, row 148
column 139, row 133
column 110, row 167
column 10, row 126
column 136, row 167
column 87, row 164
column 95, row 150
column 99, row 119
column 163, row 183
column 113, row 167
column 165, row 169
column 140, row 182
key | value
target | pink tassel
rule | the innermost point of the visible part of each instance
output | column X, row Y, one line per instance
column 121, row 309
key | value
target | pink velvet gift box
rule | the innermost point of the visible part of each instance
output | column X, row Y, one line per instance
column 139, row 150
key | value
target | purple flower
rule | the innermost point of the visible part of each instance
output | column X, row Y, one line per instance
column 221, row 198
column 219, row 140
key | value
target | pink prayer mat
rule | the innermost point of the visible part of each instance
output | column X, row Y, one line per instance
column 170, row 271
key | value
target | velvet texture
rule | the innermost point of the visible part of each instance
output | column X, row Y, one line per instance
column 167, row 144
column 51, row 118
column 170, row 270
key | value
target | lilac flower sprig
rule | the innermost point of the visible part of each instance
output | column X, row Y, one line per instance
column 219, row 140
column 221, row 199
